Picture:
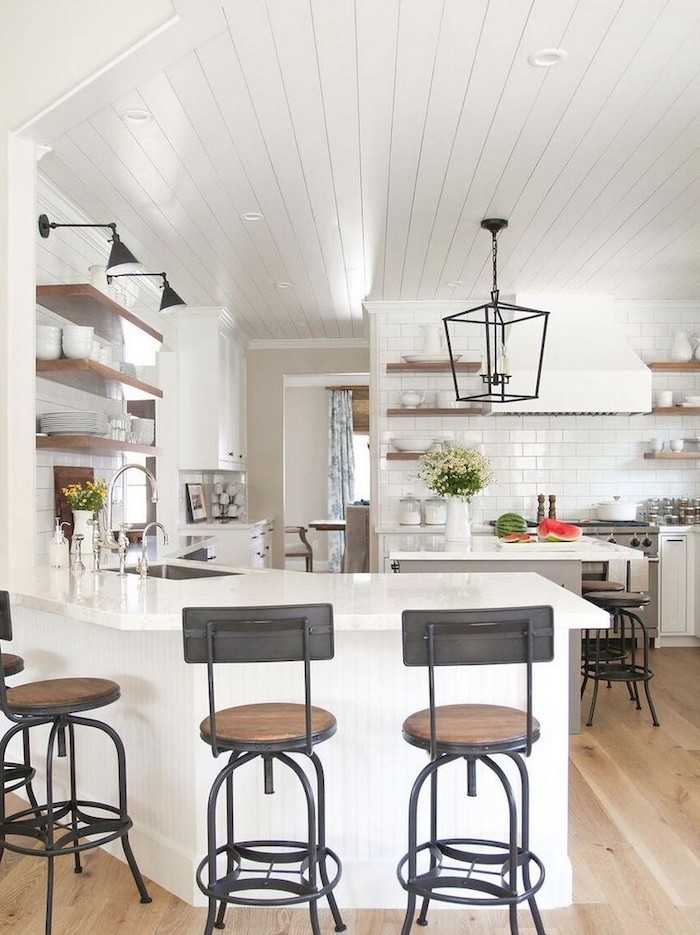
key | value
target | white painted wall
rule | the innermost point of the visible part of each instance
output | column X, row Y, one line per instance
column 306, row 462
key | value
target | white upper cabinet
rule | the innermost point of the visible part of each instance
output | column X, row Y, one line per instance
column 211, row 392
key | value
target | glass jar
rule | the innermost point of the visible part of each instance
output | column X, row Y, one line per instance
column 409, row 511
column 435, row 511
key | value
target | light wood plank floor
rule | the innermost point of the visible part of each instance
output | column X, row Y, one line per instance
column 635, row 844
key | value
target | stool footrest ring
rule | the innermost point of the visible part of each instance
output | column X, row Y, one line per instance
column 480, row 859
column 612, row 672
column 269, row 853
column 34, row 823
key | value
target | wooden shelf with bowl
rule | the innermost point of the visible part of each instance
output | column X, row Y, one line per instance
column 434, row 366
column 404, row 455
column 427, row 411
column 82, row 304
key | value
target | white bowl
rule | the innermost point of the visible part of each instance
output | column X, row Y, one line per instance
column 48, row 333
column 692, row 400
column 48, row 352
column 412, row 443
column 77, row 351
column 83, row 331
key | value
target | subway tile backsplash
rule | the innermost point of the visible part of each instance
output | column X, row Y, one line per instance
column 582, row 459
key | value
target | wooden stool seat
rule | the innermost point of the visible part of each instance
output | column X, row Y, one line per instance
column 12, row 664
column 276, row 724
column 618, row 599
column 477, row 728
column 60, row 696
column 587, row 586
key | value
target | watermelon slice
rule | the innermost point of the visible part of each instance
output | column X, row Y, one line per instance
column 551, row 530
column 517, row 537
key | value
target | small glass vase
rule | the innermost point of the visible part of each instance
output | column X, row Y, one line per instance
column 458, row 529
column 82, row 526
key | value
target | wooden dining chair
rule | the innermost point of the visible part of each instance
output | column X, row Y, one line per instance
column 301, row 549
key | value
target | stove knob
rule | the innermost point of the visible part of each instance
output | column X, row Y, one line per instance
column 634, row 542
column 646, row 542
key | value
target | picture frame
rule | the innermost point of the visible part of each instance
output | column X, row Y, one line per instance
column 196, row 503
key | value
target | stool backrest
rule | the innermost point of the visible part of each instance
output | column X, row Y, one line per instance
column 495, row 636
column 286, row 633
column 5, row 634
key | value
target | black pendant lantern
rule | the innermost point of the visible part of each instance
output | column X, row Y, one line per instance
column 513, row 339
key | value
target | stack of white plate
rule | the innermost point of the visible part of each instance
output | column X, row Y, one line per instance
column 143, row 430
column 74, row 423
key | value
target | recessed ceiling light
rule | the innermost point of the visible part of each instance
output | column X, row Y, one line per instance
column 136, row 115
column 252, row 216
column 546, row 58
column 284, row 285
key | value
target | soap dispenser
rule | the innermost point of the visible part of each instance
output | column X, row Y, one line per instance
column 59, row 552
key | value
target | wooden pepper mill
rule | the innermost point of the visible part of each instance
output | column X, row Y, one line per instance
column 540, row 508
column 552, row 506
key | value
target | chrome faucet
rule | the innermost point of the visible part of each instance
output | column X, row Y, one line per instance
column 107, row 540
column 142, row 564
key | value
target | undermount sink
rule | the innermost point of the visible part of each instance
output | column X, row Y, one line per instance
column 180, row 572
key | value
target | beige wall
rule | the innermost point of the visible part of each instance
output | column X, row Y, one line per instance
column 266, row 369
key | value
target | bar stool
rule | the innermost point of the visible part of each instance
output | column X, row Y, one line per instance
column 626, row 667
column 74, row 824
column 17, row 775
column 486, row 872
column 610, row 647
column 286, row 733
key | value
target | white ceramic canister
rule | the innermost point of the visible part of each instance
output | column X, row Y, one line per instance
column 681, row 349
column 409, row 511
column 435, row 511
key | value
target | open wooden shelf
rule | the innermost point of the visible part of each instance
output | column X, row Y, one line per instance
column 425, row 411
column 676, row 411
column 92, row 377
column 404, row 455
column 671, row 455
column 671, row 365
column 91, row 444
column 468, row 366
column 82, row 304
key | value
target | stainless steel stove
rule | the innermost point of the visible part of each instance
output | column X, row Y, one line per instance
column 634, row 535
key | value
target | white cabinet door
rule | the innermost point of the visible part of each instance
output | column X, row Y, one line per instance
column 261, row 545
column 210, row 396
column 233, row 547
column 674, row 585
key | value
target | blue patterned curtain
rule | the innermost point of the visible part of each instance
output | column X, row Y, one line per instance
column 341, row 468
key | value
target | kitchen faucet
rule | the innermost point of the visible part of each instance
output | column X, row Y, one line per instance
column 142, row 564
column 107, row 540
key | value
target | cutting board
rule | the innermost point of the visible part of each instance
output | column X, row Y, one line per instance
column 62, row 477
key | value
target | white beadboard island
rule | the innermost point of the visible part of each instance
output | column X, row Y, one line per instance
column 130, row 630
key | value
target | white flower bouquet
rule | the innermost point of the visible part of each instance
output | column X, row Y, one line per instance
column 455, row 471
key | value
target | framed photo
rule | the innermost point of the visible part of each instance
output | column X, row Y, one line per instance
column 195, row 502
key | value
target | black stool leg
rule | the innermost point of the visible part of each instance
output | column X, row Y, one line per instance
column 645, row 660
column 525, row 837
column 123, row 813
column 77, row 868
column 423, row 914
column 321, row 799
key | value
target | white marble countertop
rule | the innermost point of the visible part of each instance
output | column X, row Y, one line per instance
column 361, row 601
column 211, row 526
column 480, row 548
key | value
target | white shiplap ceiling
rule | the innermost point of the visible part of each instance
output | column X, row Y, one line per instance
column 374, row 135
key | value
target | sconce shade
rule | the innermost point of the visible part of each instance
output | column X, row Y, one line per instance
column 170, row 300
column 121, row 259
column 512, row 342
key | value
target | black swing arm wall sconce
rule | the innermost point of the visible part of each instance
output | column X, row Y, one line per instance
column 120, row 259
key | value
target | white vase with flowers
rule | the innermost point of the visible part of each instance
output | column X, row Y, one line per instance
column 458, row 474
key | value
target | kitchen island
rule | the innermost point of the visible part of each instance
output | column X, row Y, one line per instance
column 130, row 630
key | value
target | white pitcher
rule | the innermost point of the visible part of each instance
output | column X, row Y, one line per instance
column 433, row 339
column 681, row 348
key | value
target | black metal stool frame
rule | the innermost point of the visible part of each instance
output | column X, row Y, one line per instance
column 17, row 775
column 494, row 636
column 41, row 821
column 265, row 634
column 622, row 668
